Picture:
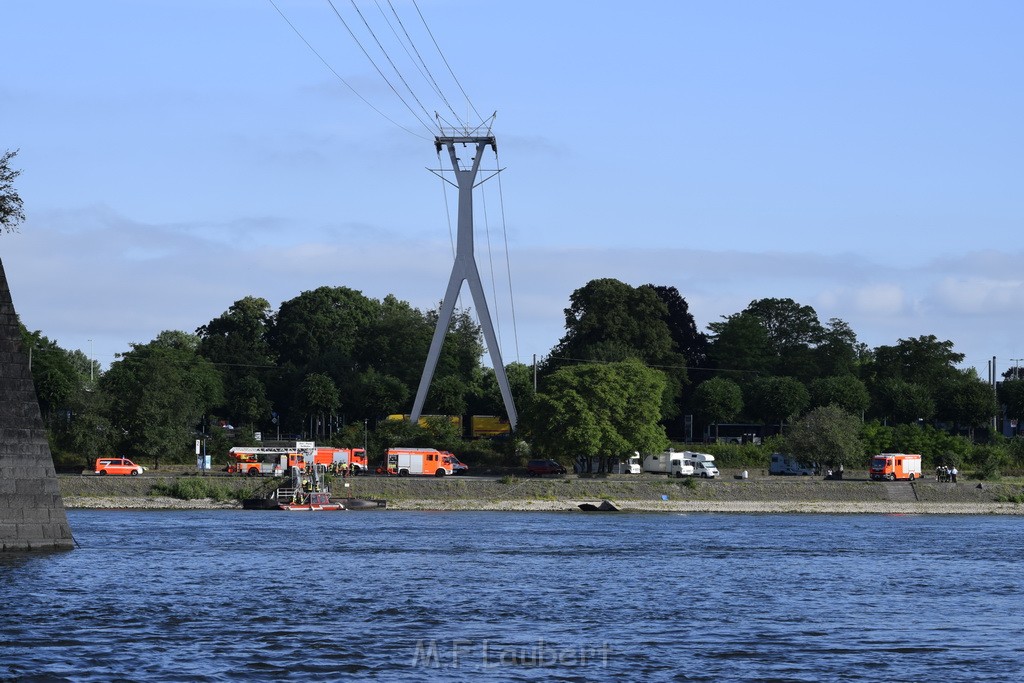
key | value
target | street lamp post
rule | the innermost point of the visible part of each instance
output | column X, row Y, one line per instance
column 1016, row 369
column 91, row 363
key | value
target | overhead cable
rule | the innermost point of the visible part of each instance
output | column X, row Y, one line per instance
column 337, row 75
column 394, row 67
column 422, row 66
column 508, row 262
column 379, row 72
column 468, row 101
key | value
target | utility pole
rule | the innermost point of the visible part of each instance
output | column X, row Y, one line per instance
column 464, row 269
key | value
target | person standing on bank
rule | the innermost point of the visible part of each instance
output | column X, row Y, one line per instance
column 952, row 474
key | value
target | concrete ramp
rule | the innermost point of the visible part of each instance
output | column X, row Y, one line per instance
column 32, row 515
column 900, row 491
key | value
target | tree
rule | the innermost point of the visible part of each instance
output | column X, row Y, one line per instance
column 318, row 398
column 838, row 352
column 377, row 394
column 717, row 400
column 395, row 342
column 55, row 374
column 901, row 401
column 159, row 393
column 793, row 333
column 606, row 410
column 239, row 335
column 845, row 391
column 458, row 374
column 689, row 341
column 11, row 206
column 966, row 401
column 1011, row 394
column 876, row 437
column 924, row 361
column 828, row 435
column 740, row 343
column 247, row 401
column 608, row 320
column 775, row 399
column 90, row 435
column 315, row 322
column 488, row 401
column 236, row 342
column 787, row 323
column 447, row 395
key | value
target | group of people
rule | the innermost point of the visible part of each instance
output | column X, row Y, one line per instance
column 338, row 469
column 944, row 473
column 343, row 469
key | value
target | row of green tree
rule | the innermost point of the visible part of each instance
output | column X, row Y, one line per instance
column 330, row 363
column 774, row 362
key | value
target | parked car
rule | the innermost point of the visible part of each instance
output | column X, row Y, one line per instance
column 106, row 466
column 458, row 467
column 535, row 468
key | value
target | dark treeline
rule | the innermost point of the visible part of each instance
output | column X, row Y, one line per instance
column 632, row 371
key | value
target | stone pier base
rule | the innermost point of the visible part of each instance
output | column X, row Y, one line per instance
column 32, row 515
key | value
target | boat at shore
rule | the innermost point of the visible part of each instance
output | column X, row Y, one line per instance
column 313, row 501
column 308, row 493
column 363, row 503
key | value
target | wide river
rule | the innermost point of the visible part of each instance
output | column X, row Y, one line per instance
column 472, row 596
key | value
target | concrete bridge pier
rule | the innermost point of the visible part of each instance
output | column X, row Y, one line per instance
column 32, row 514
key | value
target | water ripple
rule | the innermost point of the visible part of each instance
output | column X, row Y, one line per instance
column 250, row 596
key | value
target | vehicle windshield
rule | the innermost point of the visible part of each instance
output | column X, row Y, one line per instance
column 878, row 463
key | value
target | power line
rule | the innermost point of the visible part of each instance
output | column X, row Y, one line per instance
column 378, row 69
column 490, row 265
column 429, row 33
column 418, row 61
column 508, row 262
column 337, row 75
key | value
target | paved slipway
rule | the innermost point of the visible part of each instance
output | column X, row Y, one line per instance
column 643, row 493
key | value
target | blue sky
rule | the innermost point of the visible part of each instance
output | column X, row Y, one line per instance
column 865, row 158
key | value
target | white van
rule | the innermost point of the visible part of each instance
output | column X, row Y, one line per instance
column 787, row 464
column 629, row 466
column 671, row 463
column 703, row 464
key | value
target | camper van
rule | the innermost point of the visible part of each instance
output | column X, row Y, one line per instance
column 703, row 464
column 629, row 466
column 787, row 464
column 670, row 462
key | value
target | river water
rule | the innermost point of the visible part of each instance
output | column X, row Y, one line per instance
column 219, row 595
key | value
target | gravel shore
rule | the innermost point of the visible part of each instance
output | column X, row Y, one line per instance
column 755, row 495
column 672, row 506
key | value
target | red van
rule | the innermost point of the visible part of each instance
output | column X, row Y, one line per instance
column 106, row 466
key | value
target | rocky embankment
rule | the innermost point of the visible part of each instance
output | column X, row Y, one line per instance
column 758, row 494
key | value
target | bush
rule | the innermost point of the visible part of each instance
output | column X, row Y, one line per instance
column 988, row 460
column 1015, row 498
column 192, row 488
column 483, row 453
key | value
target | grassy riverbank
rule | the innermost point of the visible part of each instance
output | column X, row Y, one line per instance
column 644, row 492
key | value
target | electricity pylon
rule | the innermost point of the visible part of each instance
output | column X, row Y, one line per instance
column 464, row 269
